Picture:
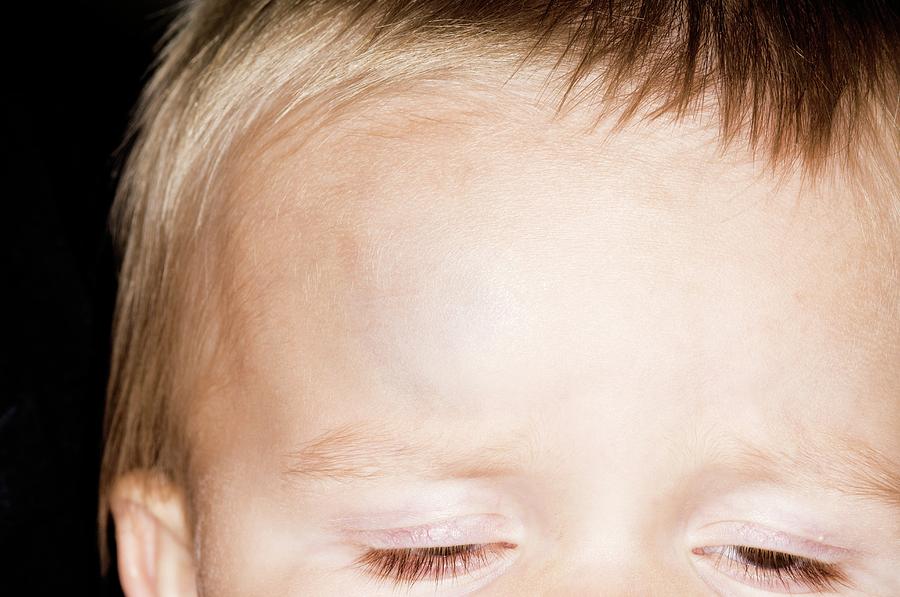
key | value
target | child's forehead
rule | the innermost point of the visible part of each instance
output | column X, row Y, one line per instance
column 389, row 203
column 499, row 261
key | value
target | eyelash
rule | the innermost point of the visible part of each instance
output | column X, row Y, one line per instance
column 411, row 565
column 779, row 569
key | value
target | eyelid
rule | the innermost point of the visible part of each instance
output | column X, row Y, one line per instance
column 472, row 529
column 752, row 535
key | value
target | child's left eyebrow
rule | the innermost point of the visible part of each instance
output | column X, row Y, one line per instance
column 841, row 464
column 361, row 452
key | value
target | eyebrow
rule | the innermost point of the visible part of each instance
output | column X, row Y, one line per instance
column 844, row 465
column 355, row 452
column 358, row 452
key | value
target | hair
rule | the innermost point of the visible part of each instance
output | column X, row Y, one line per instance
column 812, row 83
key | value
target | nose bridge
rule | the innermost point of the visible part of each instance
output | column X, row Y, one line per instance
column 591, row 583
column 601, row 581
column 615, row 549
column 619, row 566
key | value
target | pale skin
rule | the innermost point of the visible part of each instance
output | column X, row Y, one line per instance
column 609, row 359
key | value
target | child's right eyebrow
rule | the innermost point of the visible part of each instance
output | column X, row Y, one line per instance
column 360, row 452
column 357, row 452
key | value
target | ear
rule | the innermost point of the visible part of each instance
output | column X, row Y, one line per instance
column 153, row 541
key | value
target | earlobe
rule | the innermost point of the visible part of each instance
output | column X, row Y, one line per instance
column 153, row 541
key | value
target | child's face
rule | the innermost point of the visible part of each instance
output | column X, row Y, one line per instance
column 608, row 360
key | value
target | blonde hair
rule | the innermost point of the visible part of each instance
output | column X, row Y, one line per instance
column 809, row 82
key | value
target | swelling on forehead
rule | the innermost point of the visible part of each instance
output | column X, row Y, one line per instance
column 472, row 245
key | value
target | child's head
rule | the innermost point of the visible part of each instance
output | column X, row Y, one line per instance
column 532, row 298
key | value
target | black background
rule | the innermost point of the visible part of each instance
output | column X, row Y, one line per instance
column 71, row 73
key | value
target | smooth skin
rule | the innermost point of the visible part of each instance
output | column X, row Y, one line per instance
column 611, row 353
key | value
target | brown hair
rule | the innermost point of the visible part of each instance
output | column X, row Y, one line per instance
column 807, row 82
